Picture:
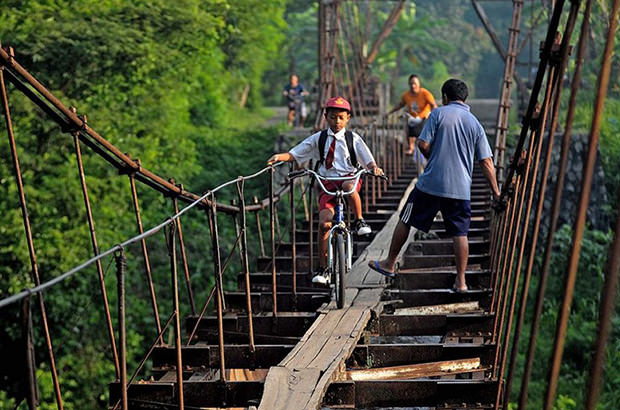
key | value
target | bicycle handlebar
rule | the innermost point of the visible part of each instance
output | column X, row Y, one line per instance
column 319, row 178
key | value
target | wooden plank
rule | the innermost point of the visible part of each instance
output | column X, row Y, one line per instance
column 463, row 307
column 415, row 371
column 284, row 386
column 301, row 379
column 312, row 347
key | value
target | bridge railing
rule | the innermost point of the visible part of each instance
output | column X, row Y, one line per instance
column 384, row 136
column 516, row 226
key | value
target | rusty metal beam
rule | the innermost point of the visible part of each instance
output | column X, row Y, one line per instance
column 607, row 306
column 584, row 198
column 28, row 231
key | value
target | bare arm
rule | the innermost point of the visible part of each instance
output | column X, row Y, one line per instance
column 425, row 148
column 488, row 169
column 396, row 107
column 372, row 167
column 285, row 157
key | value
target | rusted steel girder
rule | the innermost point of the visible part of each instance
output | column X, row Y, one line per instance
column 501, row 128
column 272, row 239
column 172, row 253
column 121, row 266
column 579, row 224
column 243, row 249
column 555, row 208
column 610, row 291
column 553, row 94
column 145, row 254
column 93, row 240
column 544, row 60
column 188, row 283
column 30, row 380
column 70, row 121
column 219, row 291
column 29, row 239
column 562, row 56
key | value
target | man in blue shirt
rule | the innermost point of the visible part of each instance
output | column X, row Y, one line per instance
column 451, row 139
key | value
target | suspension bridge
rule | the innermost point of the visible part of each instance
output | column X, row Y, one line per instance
column 278, row 342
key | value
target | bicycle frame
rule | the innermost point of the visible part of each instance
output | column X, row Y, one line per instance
column 339, row 223
column 340, row 226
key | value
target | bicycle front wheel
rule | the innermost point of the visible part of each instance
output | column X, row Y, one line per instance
column 341, row 258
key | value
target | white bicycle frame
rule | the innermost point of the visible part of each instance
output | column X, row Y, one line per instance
column 340, row 225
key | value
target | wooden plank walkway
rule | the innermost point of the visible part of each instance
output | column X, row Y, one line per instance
column 301, row 379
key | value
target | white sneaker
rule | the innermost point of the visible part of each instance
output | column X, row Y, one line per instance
column 321, row 277
column 361, row 227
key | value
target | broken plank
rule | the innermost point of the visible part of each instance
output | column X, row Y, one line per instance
column 463, row 307
column 415, row 371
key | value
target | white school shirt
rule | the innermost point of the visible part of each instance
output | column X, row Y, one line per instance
column 309, row 149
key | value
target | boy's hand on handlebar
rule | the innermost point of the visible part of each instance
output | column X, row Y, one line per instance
column 376, row 171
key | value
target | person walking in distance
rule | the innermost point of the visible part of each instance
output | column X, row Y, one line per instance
column 452, row 139
column 419, row 102
column 295, row 92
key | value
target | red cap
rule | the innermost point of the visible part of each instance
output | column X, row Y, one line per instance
column 338, row 102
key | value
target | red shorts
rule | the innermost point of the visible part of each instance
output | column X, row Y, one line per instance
column 327, row 201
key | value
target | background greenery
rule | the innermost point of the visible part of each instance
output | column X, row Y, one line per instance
column 167, row 82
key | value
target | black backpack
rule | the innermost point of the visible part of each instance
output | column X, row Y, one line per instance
column 348, row 136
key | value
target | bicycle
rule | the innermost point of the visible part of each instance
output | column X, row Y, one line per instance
column 340, row 242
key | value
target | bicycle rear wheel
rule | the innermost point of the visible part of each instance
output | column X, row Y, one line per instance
column 341, row 261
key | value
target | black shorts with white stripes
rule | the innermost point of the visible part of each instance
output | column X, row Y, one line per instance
column 421, row 209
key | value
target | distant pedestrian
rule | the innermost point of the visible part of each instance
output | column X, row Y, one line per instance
column 451, row 139
column 419, row 102
column 295, row 93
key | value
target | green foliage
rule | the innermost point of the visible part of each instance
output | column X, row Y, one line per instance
column 162, row 81
column 609, row 140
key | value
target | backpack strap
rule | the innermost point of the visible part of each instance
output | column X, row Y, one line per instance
column 322, row 142
column 348, row 135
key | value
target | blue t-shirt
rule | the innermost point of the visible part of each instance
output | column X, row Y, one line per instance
column 456, row 138
column 295, row 93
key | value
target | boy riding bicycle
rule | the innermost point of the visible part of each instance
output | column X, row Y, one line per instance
column 340, row 153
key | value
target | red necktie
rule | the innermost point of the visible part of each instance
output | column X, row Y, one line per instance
column 329, row 161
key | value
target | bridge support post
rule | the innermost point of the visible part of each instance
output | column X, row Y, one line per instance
column 188, row 283
column 243, row 249
column 145, row 254
column 272, row 239
column 560, row 60
column 121, row 265
column 93, row 240
column 30, row 379
column 293, row 233
column 579, row 224
column 215, row 242
column 31, row 250
column 172, row 252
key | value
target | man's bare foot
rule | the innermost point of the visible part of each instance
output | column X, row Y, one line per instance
column 383, row 267
column 459, row 287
